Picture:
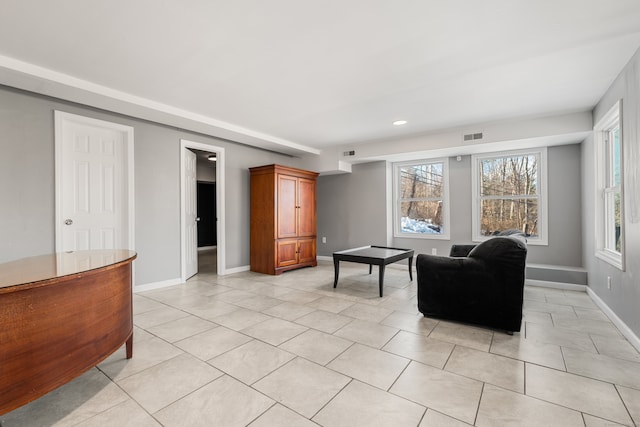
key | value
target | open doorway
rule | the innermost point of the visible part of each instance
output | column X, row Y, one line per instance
column 202, row 209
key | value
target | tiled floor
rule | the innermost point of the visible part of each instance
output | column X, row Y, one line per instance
column 250, row 349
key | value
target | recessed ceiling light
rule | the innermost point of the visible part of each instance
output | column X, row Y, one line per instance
column 399, row 122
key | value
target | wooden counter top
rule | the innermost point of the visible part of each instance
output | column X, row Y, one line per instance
column 45, row 268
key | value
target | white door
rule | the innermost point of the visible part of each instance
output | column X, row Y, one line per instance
column 92, row 184
column 191, row 212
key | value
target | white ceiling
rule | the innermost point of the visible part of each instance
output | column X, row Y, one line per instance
column 303, row 76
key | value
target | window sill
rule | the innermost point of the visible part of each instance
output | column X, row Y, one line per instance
column 422, row 236
column 610, row 257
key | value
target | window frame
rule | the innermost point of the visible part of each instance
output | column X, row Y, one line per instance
column 603, row 146
column 542, row 193
column 397, row 226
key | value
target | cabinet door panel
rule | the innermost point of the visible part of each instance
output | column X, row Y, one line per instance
column 306, row 250
column 307, row 210
column 287, row 252
column 287, row 206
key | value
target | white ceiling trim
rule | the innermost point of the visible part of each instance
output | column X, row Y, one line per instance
column 33, row 78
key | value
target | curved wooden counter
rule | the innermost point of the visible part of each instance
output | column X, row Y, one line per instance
column 60, row 315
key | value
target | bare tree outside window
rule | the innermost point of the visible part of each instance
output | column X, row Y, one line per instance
column 509, row 194
column 421, row 198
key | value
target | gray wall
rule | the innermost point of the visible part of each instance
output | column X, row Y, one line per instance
column 351, row 208
column 353, row 212
column 624, row 296
column 27, row 185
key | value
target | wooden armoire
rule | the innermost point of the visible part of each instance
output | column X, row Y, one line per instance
column 283, row 219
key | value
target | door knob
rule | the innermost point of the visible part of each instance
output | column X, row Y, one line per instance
column 68, row 222
column 197, row 219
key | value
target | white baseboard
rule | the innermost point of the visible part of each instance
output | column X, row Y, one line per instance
column 556, row 285
column 156, row 285
column 622, row 327
column 324, row 258
column 234, row 270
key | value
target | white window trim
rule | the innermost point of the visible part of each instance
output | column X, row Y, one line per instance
column 445, row 199
column 616, row 259
column 543, row 239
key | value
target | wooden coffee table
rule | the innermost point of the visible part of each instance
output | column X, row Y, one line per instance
column 372, row 255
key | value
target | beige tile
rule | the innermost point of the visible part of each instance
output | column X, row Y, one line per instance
column 223, row 402
column 589, row 326
column 316, row 346
column 158, row 316
column 258, row 302
column 561, row 337
column 442, row 391
column 212, row 309
column 234, row 295
column 366, row 312
column 544, row 307
column 126, row 414
column 274, row 331
column 331, row 304
column 593, row 314
column 534, row 294
column 489, row 368
column 436, row 419
column 368, row 333
column 631, row 399
column 143, row 304
column 298, row 297
column 576, row 299
column 582, row 394
column 415, row 323
column 500, row 408
column 324, row 321
column 537, row 317
column 278, row 415
column 617, row 347
column 363, row 405
column 166, row 382
column 209, row 344
column 86, row 396
column 518, row 347
column 420, row 348
column 145, row 355
column 240, row 319
column 251, row 361
column 302, row 386
column 468, row 336
column 605, row 368
column 375, row 367
column 181, row 328
column 591, row 421
column 289, row 311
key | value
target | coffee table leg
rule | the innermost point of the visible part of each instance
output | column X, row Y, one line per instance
column 336, row 268
column 410, row 263
column 381, row 277
column 370, row 268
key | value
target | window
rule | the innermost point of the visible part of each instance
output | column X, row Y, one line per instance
column 509, row 191
column 422, row 198
column 609, row 197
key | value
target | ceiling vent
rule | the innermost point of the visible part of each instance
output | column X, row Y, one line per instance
column 472, row 136
column 349, row 153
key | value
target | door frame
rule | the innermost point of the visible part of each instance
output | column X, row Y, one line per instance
column 60, row 119
column 220, row 207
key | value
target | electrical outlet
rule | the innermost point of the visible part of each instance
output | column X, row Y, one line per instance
column 434, row 251
column 324, row 239
column 609, row 282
